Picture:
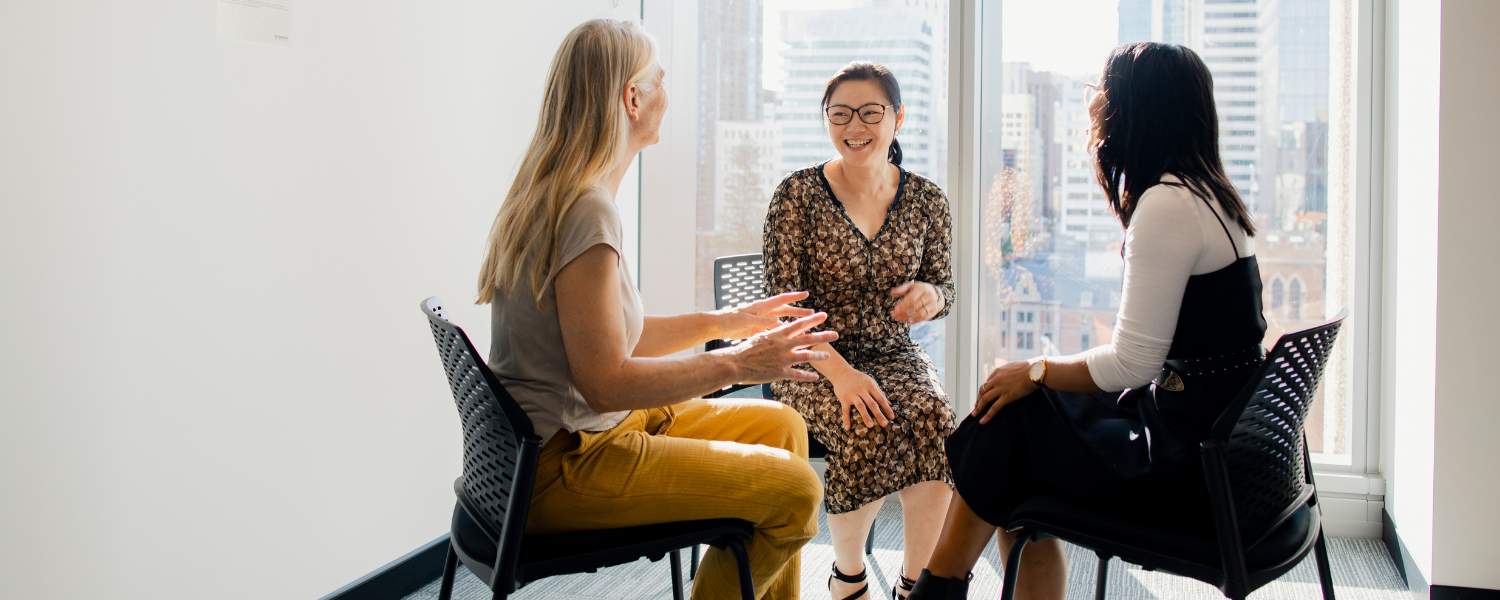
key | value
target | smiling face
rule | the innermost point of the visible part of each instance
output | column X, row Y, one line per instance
column 860, row 143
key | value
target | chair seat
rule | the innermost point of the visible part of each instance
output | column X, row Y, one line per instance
column 1166, row 537
column 588, row 551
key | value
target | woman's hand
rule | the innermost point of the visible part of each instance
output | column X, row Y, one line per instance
column 746, row 320
column 1007, row 383
column 858, row 391
column 769, row 355
column 920, row 301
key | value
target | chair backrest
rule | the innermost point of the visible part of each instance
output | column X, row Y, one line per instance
column 738, row 279
column 1264, row 446
column 500, row 444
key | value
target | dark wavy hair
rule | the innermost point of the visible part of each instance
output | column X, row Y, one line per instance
column 1154, row 115
column 867, row 71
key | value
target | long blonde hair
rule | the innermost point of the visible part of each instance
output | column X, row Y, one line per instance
column 580, row 136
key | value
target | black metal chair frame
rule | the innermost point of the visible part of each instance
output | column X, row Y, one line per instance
column 494, row 494
column 739, row 279
column 1257, row 432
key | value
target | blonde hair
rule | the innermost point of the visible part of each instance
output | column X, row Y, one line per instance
column 580, row 136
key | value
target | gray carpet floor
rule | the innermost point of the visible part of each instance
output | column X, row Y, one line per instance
column 1362, row 570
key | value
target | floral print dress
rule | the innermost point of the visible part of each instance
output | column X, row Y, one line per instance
column 811, row 244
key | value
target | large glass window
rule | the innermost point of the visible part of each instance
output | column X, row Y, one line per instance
column 762, row 66
column 1050, row 247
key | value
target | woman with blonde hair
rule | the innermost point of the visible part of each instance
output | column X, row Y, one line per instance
column 626, row 439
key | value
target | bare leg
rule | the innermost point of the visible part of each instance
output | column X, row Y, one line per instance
column 849, row 531
column 923, row 508
column 1044, row 568
column 962, row 541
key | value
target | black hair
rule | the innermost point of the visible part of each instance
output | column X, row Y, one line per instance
column 868, row 71
column 1154, row 115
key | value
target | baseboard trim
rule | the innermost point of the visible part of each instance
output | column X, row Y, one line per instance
column 1448, row 592
column 399, row 577
column 1405, row 565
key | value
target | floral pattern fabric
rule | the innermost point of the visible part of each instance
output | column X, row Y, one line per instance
column 811, row 244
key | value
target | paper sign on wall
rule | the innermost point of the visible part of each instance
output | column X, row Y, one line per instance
column 256, row 21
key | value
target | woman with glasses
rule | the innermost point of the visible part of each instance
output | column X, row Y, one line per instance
column 1120, row 424
column 870, row 242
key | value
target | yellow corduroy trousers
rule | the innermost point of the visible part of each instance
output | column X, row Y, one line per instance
column 701, row 459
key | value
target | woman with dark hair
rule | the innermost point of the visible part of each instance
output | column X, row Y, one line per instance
column 1122, row 422
column 869, row 241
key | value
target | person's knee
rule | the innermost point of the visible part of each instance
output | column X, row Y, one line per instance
column 792, row 427
column 802, row 496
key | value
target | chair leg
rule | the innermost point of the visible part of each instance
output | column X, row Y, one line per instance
column 693, row 563
column 1013, row 566
column 1325, row 571
column 742, row 558
column 450, row 569
column 870, row 542
column 676, row 559
column 1101, row 580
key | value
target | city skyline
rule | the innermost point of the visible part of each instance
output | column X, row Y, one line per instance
column 1051, row 248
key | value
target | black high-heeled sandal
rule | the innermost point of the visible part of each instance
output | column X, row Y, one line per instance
column 902, row 585
column 932, row 587
column 858, row 578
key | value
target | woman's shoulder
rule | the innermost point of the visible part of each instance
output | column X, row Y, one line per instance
column 808, row 174
column 799, row 183
column 924, row 191
column 1169, row 195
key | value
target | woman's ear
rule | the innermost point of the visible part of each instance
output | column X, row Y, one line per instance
column 633, row 101
column 900, row 117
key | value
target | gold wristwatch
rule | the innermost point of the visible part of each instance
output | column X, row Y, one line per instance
column 1038, row 371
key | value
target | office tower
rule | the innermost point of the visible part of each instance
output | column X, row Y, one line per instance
column 1231, row 48
column 1167, row 21
column 1294, row 39
column 1135, row 21
column 730, row 48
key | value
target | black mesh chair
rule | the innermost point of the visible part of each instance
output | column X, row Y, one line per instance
column 740, row 280
column 494, row 494
column 1261, row 499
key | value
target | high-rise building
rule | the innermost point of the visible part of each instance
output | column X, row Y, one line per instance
column 1085, row 217
column 905, row 37
column 731, row 48
column 1135, row 21
column 1294, row 98
column 1231, row 48
column 1167, row 21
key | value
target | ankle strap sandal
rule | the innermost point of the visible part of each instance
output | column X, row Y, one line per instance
column 903, row 586
column 857, row 578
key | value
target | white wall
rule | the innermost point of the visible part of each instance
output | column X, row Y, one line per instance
column 215, row 380
column 1410, row 255
column 1467, row 480
column 1441, row 252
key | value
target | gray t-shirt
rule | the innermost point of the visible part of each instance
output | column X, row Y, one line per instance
column 526, row 349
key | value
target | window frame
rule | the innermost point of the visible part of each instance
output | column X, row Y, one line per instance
column 666, row 205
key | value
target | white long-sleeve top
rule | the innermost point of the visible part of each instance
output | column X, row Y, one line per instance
column 1173, row 235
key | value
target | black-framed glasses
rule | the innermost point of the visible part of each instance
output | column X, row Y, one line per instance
column 870, row 114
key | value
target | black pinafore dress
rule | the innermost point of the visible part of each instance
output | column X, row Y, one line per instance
column 1140, row 445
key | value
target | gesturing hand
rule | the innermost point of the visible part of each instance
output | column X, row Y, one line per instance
column 919, row 302
column 746, row 320
column 858, row 391
column 769, row 355
column 1006, row 384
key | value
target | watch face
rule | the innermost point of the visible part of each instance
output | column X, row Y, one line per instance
column 1037, row 369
